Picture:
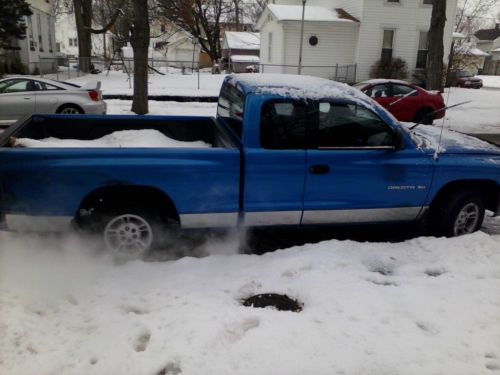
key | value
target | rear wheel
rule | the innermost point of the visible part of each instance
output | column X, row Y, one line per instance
column 70, row 109
column 462, row 213
column 424, row 116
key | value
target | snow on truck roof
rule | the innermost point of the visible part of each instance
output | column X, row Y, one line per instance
column 297, row 87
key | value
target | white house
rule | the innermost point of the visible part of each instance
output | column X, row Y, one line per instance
column 39, row 43
column 347, row 32
column 488, row 40
column 240, row 50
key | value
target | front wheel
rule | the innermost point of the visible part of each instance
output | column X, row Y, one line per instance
column 70, row 109
column 462, row 214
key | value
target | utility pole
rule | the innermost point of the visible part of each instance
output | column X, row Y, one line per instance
column 301, row 36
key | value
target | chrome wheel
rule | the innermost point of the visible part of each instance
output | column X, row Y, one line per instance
column 70, row 111
column 467, row 219
column 128, row 236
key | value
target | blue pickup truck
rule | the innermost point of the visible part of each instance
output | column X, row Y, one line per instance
column 286, row 151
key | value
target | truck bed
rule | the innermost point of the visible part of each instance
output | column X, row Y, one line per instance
column 85, row 127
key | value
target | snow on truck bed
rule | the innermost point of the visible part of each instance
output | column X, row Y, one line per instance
column 123, row 138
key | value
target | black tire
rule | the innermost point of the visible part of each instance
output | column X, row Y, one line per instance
column 422, row 116
column 70, row 109
column 462, row 213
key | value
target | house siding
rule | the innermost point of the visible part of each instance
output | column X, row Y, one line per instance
column 277, row 50
column 408, row 19
column 335, row 46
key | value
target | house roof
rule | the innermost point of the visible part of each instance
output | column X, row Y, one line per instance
column 312, row 13
column 488, row 34
column 242, row 40
column 457, row 35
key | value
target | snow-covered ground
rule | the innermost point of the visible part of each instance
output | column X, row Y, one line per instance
column 172, row 83
column 482, row 115
column 424, row 306
column 491, row 81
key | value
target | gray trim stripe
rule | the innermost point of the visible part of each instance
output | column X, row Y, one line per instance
column 212, row 220
column 272, row 218
column 361, row 216
column 38, row 223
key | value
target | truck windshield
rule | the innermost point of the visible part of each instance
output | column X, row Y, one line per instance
column 230, row 107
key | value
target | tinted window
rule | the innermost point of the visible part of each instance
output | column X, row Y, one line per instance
column 400, row 90
column 231, row 107
column 283, row 124
column 378, row 91
column 50, row 87
column 350, row 125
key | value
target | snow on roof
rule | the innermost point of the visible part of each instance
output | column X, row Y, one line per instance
column 457, row 35
column 242, row 40
column 299, row 87
column 244, row 58
column 478, row 52
column 496, row 50
column 312, row 13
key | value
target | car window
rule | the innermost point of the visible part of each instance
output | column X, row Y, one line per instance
column 351, row 126
column 400, row 90
column 283, row 124
column 231, row 107
column 378, row 91
column 19, row 85
column 49, row 87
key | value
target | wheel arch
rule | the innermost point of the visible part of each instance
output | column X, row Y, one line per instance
column 489, row 190
column 62, row 106
column 107, row 198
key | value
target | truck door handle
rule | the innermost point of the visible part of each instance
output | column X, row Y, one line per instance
column 319, row 169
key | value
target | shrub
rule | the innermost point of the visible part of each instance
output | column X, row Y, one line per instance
column 395, row 69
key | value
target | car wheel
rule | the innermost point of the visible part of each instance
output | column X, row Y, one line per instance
column 127, row 233
column 423, row 116
column 462, row 213
column 70, row 109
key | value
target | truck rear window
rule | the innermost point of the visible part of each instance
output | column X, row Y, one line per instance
column 231, row 106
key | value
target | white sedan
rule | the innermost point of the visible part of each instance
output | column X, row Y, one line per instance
column 20, row 96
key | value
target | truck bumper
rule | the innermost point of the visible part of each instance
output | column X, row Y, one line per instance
column 26, row 223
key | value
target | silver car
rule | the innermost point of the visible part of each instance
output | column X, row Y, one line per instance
column 20, row 96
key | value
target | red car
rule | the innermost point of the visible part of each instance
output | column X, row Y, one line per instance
column 413, row 108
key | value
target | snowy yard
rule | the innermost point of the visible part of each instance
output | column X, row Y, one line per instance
column 424, row 306
column 482, row 115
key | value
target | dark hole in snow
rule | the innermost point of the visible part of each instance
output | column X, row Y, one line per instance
column 280, row 301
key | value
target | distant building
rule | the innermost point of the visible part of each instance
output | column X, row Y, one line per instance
column 240, row 51
column 488, row 40
column 347, row 32
column 37, row 52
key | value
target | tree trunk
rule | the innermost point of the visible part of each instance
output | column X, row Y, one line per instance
column 140, row 44
column 434, row 77
column 83, row 18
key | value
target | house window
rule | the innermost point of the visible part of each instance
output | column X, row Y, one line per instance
column 428, row 2
column 30, row 33
column 393, row 1
column 71, row 42
column 39, row 24
column 269, row 47
column 423, row 46
column 75, row 42
column 387, row 44
column 49, row 28
column 162, row 28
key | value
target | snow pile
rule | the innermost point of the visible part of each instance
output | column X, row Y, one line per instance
column 490, row 81
column 122, row 138
column 425, row 306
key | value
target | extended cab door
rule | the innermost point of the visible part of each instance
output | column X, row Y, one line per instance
column 274, row 161
column 354, row 172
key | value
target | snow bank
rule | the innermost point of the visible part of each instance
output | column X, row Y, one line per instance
column 490, row 81
column 424, row 306
column 122, row 138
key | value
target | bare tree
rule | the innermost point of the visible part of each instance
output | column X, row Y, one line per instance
column 434, row 79
column 201, row 18
column 139, row 38
column 473, row 15
column 83, row 17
